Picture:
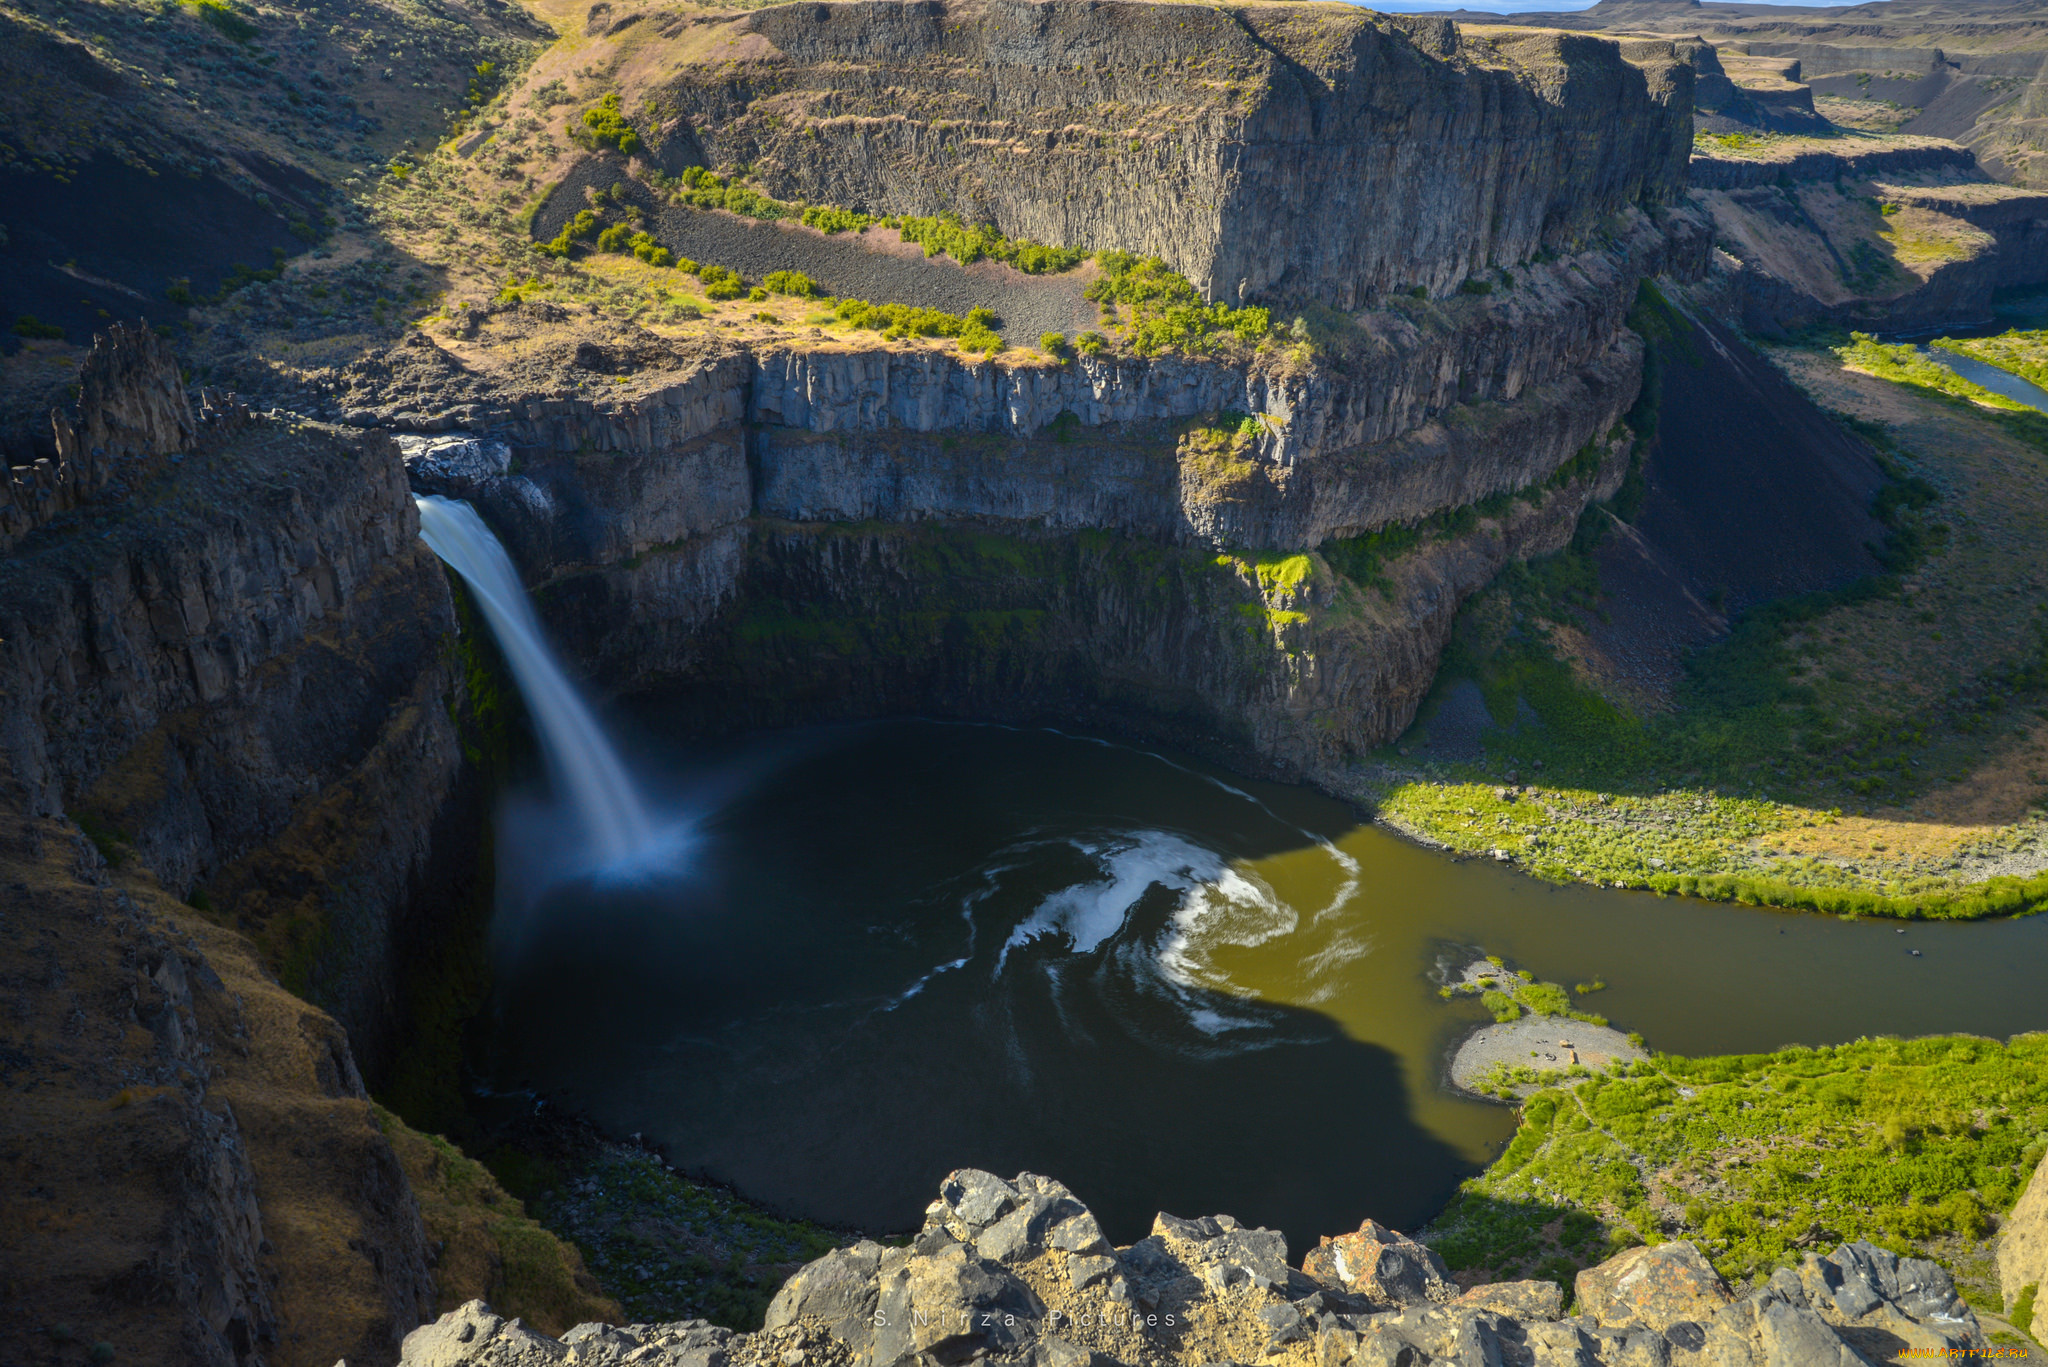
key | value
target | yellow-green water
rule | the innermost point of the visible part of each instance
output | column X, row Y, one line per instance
column 890, row 950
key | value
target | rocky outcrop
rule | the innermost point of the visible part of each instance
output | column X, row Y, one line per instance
column 130, row 421
column 1891, row 157
column 2023, row 1239
column 1018, row 1273
column 237, row 671
column 1265, row 151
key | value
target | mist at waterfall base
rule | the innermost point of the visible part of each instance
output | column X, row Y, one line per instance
column 903, row 947
column 591, row 821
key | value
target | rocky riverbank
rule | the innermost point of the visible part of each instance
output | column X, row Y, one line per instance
column 1019, row 1272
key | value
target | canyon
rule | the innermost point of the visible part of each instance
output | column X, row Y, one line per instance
column 254, row 731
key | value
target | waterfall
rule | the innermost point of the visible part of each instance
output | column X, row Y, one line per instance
column 580, row 760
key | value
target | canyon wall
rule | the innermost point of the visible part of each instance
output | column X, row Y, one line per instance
column 240, row 678
column 1905, row 241
column 1265, row 151
column 227, row 659
column 773, row 533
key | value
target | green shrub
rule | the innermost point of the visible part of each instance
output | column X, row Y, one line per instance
column 793, row 283
column 615, row 238
column 757, row 294
column 720, row 283
column 1090, row 342
column 975, row 331
column 1545, row 999
column 1475, row 287
column 576, row 229
column 485, row 80
column 2022, row 1316
column 602, row 125
column 28, row 325
column 947, row 235
column 1053, row 343
column 224, row 20
column 829, row 220
column 1501, row 1005
column 647, row 249
column 1166, row 311
column 704, row 190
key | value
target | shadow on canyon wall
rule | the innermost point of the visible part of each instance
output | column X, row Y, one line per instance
column 1751, row 494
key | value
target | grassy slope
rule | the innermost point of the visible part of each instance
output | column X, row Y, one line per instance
column 1876, row 751
column 489, row 1247
column 1915, row 1145
column 330, row 89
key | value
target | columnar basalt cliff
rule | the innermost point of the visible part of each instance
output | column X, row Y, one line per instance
column 1265, row 151
column 132, row 415
column 226, row 657
column 737, row 520
column 237, row 669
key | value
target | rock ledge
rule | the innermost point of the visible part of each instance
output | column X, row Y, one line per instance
column 1018, row 1272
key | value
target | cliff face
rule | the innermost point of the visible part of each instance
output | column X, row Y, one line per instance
column 239, row 676
column 787, row 531
column 233, row 666
column 1265, row 151
column 2023, row 1241
column 192, row 1172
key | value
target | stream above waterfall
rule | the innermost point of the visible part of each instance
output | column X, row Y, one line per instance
column 892, row 949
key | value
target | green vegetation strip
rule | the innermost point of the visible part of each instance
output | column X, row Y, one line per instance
column 1904, row 364
column 1759, row 1157
column 1167, row 312
column 941, row 235
column 2024, row 354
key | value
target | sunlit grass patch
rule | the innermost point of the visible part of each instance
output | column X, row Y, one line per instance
column 1759, row 1157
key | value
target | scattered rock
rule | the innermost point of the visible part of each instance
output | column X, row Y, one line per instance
column 1386, row 1267
column 1654, row 1287
column 1532, row 1300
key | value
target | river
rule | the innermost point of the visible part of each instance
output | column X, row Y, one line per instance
column 887, row 950
column 1990, row 377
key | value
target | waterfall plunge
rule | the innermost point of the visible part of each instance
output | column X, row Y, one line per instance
column 580, row 759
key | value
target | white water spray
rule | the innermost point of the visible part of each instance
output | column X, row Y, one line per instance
column 580, row 759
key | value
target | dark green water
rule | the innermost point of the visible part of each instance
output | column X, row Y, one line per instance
column 878, row 953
